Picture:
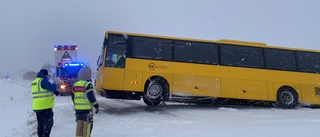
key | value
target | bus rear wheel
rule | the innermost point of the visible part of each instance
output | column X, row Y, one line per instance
column 153, row 93
column 287, row 98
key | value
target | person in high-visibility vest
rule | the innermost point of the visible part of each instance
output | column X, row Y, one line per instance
column 84, row 100
column 121, row 61
column 43, row 102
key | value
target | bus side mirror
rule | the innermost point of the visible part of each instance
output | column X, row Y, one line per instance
column 98, row 60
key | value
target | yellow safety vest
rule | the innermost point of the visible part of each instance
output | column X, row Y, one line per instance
column 81, row 101
column 42, row 98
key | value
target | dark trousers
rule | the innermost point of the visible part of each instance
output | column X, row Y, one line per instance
column 45, row 122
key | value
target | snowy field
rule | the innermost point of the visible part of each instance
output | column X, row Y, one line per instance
column 122, row 118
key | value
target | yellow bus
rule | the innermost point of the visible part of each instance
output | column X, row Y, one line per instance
column 161, row 68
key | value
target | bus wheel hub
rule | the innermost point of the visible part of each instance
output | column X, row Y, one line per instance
column 154, row 91
column 287, row 97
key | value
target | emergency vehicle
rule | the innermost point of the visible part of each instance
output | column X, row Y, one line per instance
column 67, row 67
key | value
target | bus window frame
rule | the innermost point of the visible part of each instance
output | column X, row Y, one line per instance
column 280, row 65
column 154, row 46
column 306, row 62
column 227, row 59
column 189, row 50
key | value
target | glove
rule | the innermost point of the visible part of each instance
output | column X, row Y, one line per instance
column 56, row 93
column 97, row 110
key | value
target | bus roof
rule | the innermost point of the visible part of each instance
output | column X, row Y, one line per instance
column 238, row 42
column 221, row 41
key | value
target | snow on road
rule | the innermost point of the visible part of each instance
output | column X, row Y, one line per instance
column 126, row 118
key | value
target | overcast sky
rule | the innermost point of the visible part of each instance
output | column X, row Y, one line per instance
column 30, row 28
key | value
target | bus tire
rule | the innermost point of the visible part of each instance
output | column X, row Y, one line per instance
column 154, row 92
column 287, row 98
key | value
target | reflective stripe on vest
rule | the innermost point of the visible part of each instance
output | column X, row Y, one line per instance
column 42, row 98
column 81, row 101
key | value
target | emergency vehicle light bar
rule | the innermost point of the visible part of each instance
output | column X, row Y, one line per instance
column 65, row 47
column 73, row 64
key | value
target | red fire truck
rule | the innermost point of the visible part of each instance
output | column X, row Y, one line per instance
column 67, row 67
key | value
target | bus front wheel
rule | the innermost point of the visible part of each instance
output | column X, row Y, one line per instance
column 153, row 93
column 287, row 98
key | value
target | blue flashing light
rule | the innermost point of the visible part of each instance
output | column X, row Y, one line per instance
column 74, row 64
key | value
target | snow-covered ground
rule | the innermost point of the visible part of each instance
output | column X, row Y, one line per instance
column 124, row 118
